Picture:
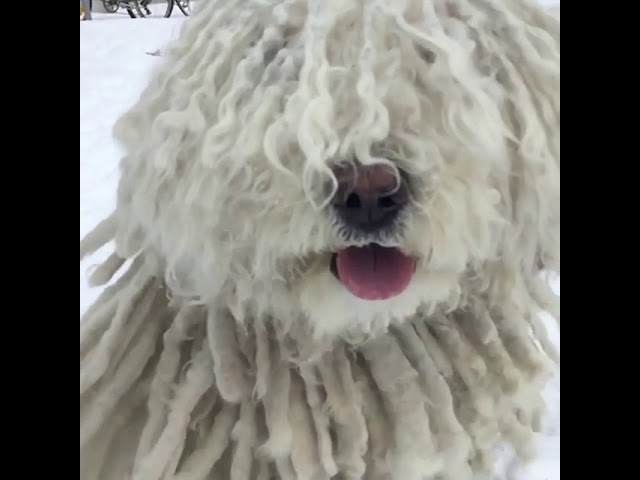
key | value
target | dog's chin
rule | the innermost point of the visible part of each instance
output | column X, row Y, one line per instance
column 362, row 290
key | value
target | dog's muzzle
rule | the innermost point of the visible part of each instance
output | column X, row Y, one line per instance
column 368, row 202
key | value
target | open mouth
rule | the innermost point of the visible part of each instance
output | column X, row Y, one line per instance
column 373, row 272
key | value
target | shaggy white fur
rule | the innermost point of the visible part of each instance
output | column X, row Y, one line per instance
column 228, row 349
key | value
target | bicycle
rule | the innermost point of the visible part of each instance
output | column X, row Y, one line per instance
column 112, row 6
column 140, row 8
column 183, row 5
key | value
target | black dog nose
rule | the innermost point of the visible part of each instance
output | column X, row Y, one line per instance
column 369, row 197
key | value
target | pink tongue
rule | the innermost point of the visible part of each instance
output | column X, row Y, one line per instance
column 374, row 272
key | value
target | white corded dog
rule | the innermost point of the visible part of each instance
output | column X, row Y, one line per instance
column 333, row 220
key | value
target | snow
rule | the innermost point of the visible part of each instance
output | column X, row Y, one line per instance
column 115, row 66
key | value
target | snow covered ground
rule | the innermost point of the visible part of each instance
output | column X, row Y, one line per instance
column 114, row 68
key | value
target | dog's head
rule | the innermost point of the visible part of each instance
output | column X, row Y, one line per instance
column 345, row 167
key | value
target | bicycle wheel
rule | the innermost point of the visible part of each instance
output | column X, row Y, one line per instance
column 184, row 6
column 169, row 9
column 111, row 6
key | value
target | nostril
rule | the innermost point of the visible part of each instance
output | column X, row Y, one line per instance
column 353, row 201
column 386, row 202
